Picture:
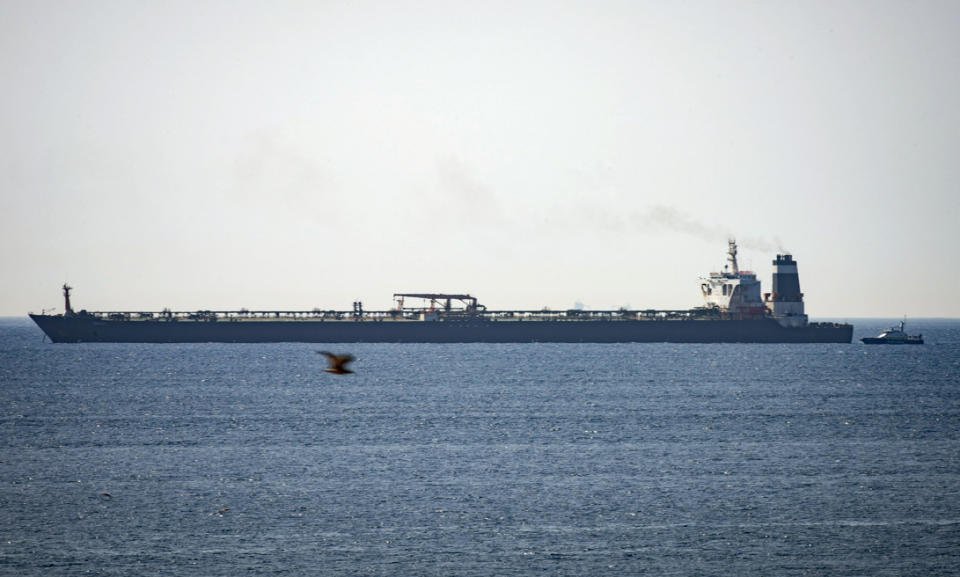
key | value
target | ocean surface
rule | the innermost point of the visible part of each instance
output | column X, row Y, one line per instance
column 533, row 459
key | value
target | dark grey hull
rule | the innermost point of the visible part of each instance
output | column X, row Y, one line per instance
column 62, row 329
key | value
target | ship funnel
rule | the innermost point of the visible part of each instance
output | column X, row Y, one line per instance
column 786, row 301
column 786, row 281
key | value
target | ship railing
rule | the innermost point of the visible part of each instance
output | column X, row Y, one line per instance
column 404, row 315
column 243, row 314
column 618, row 314
column 251, row 315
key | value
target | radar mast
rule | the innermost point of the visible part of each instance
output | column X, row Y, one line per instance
column 732, row 256
column 68, row 311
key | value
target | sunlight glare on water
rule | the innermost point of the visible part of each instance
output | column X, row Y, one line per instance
column 562, row 459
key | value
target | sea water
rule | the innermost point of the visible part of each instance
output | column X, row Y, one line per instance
column 480, row 459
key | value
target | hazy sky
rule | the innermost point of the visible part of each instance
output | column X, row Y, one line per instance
column 292, row 155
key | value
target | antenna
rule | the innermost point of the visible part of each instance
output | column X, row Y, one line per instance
column 732, row 255
column 68, row 311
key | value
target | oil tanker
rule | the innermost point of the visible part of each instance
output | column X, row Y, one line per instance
column 735, row 311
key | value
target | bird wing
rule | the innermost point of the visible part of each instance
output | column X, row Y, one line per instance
column 337, row 361
column 342, row 360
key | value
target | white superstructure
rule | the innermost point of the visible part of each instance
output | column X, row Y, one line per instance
column 736, row 293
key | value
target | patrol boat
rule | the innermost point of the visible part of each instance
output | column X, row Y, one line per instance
column 894, row 336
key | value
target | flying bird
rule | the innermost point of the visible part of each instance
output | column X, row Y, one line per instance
column 337, row 363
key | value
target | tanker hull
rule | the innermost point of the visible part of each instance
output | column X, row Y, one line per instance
column 64, row 329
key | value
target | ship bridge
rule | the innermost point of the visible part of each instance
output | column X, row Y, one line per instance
column 734, row 292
